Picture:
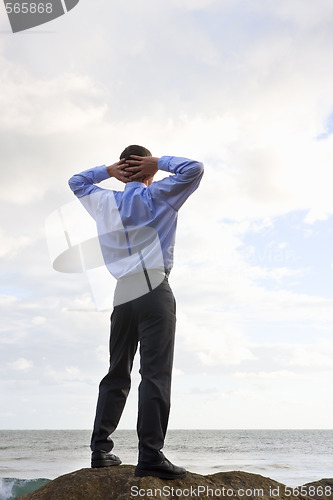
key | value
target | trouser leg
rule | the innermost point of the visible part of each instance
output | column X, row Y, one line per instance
column 115, row 386
column 156, row 335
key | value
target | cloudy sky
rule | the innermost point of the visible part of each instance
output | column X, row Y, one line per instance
column 244, row 86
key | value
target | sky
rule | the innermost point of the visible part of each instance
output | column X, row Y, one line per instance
column 246, row 88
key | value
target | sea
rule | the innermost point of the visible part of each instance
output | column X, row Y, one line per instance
column 31, row 458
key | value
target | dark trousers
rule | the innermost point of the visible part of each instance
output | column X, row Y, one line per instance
column 150, row 320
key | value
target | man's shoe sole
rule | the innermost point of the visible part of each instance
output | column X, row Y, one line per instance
column 104, row 463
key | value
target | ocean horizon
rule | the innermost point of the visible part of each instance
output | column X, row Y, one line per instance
column 30, row 458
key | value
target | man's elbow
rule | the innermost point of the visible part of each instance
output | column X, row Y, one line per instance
column 75, row 184
column 199, row 168
column 72, row 184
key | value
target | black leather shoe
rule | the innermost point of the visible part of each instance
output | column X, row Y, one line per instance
column 104, row 459
column 164, row 470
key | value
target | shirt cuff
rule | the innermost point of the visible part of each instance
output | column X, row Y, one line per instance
column 100, row 174
column 163, row 163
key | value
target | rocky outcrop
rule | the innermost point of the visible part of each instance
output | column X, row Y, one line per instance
column 119, row 483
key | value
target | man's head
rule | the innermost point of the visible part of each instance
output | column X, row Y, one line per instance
column 134, row 149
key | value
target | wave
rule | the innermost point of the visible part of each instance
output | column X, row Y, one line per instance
column 15, row 488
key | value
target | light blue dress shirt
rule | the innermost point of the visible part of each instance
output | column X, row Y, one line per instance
column 142, row 220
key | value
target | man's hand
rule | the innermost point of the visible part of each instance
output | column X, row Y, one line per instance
column 141, row 168
column 118, row 170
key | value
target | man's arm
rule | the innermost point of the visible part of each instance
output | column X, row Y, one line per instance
column 175, row 189
column 83, row 184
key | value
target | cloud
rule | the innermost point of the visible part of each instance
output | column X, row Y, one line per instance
column 315, row 356
column 6, row 300
column 269, row 376
column 20, row 364
column 214, row 338
column 7, row 414
column 39, row 320
column 40, row 108
column 12, row 245
column 305, row 18
column 102, row 353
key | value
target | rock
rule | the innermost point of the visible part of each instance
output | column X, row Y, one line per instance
column 119, row 483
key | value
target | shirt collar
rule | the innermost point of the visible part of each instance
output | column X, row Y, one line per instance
column 134, row 184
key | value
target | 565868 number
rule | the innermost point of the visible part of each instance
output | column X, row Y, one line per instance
column 29, row 8
column 310, row 491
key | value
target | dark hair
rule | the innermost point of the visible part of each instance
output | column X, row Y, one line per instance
column 134, row 149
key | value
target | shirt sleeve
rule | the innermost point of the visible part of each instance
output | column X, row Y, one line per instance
column 83, row 183
column 90, row 195
column 185, row 178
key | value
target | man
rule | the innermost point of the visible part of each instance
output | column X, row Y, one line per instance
column 136, row 230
